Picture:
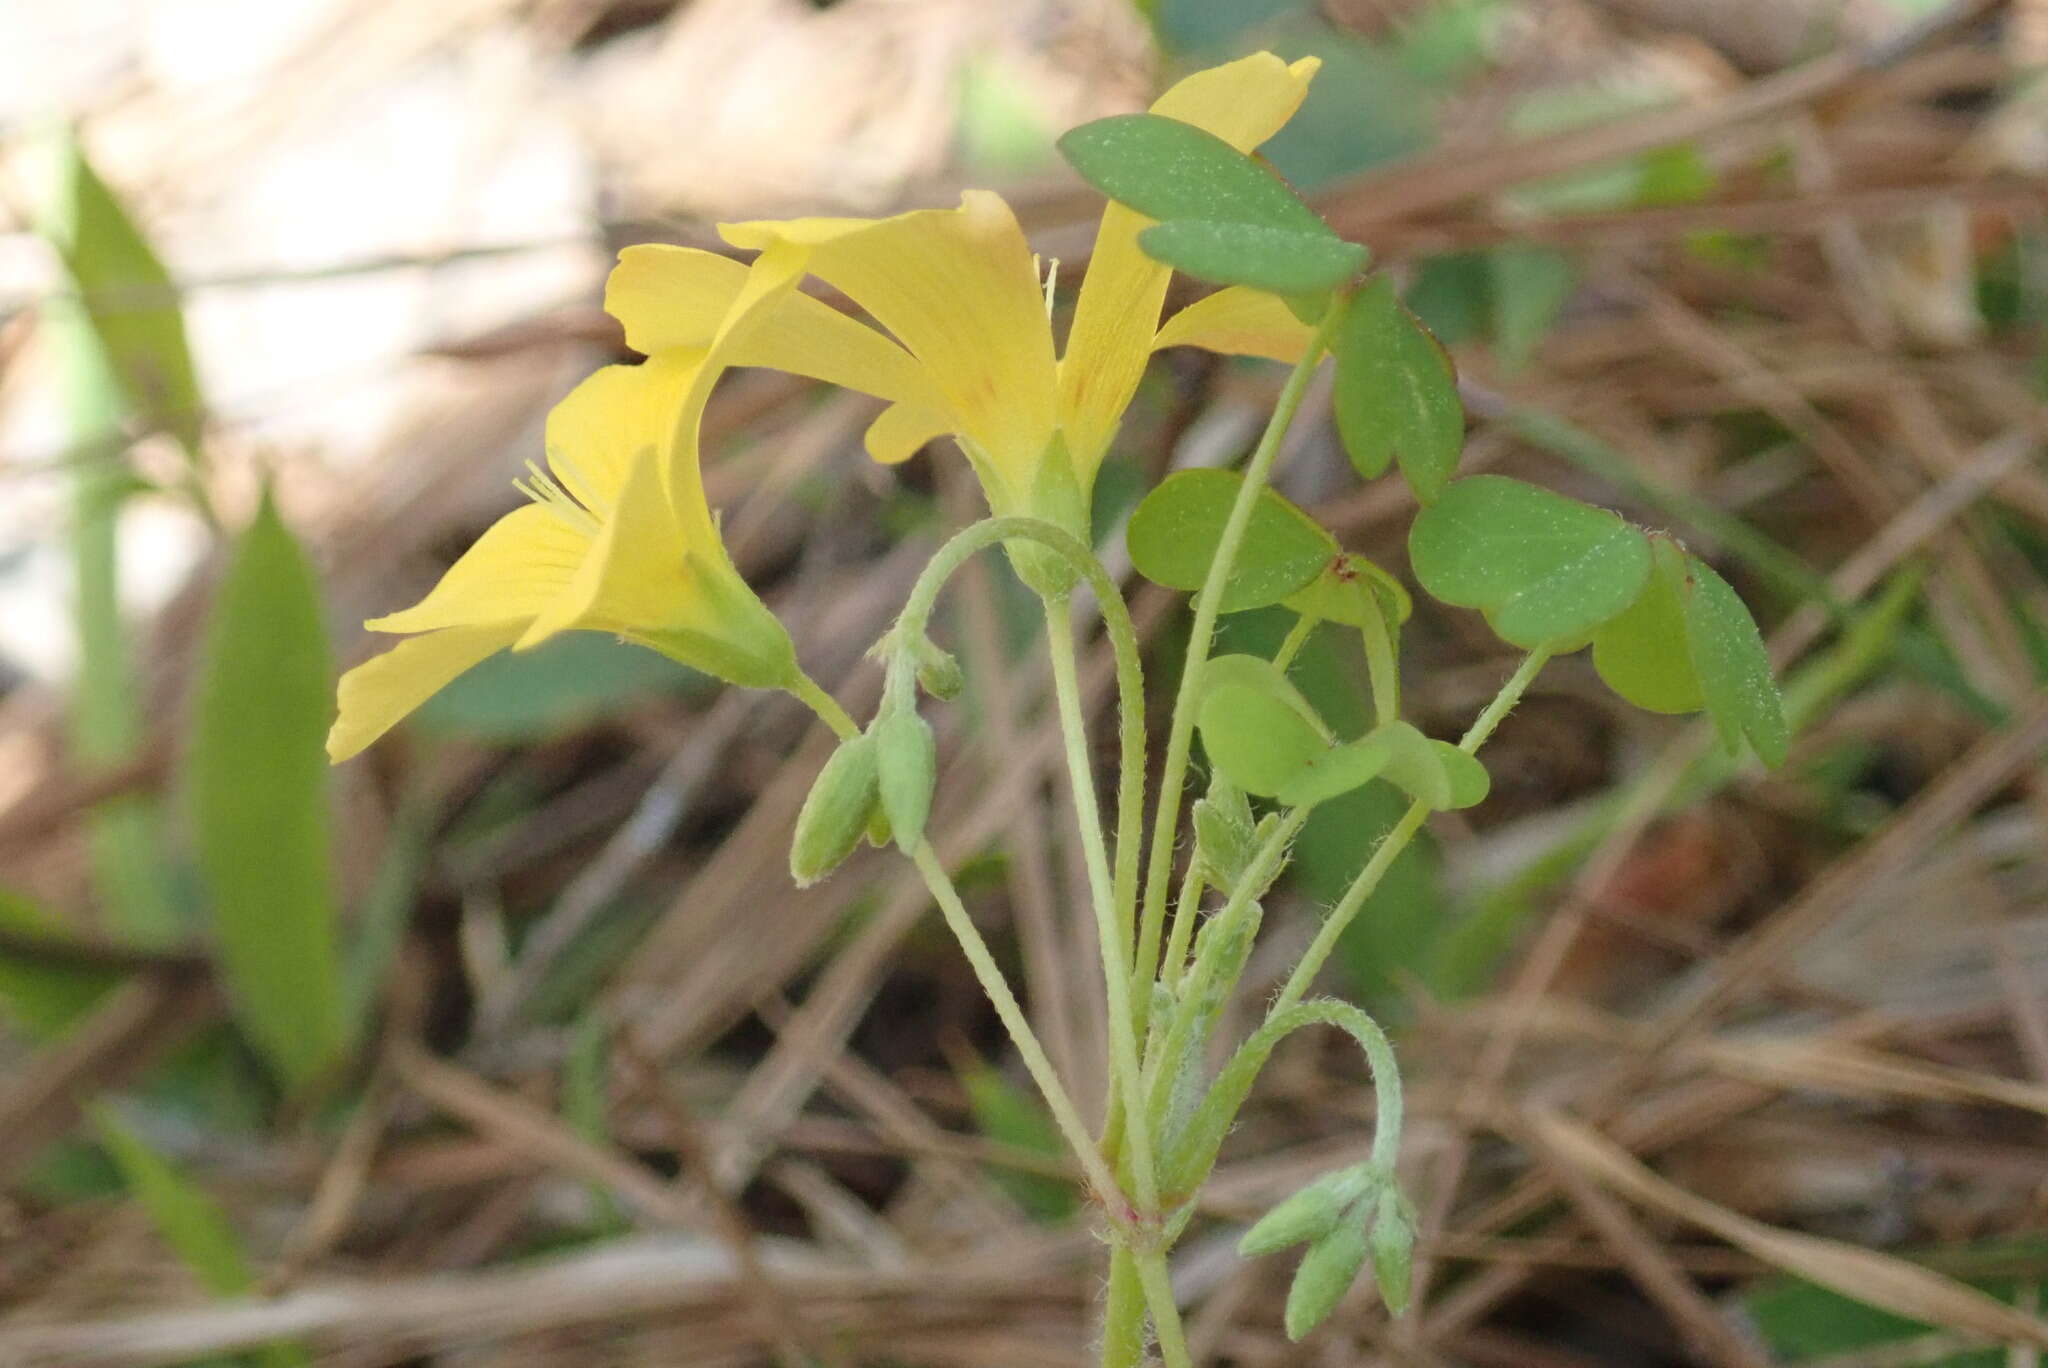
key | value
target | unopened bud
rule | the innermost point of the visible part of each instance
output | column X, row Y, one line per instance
column 835, row 812
column 906, row 767
column 1325, row 1275
column 1309, row 1214
column 938, row 671
column 1393, row 1249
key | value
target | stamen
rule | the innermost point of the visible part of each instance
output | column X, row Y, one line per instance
column 1052, row 277
column 543, row 489
column 578, row 482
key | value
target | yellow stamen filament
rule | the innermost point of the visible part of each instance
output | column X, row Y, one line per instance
column 546, row 491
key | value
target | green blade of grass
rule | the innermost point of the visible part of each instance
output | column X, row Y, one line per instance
column 259, row 800
column 190, row 1222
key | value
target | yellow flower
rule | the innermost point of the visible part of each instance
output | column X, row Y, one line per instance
column 618, row 537
column 959, row 290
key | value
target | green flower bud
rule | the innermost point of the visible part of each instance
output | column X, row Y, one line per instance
column 1222, row 847
column 1325, row 1275
column 906, row 767
column 1393, row 1249
column 1311, row 1213
column 835, row 812
column 938, row 671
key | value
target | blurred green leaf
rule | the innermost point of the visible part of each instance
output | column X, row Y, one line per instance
column 1279, row 261
column 42, row 997
column 1174, row 533
column 186, row 1217
column 1010, row 1116
column 259, row 799
column 189, row 1222
column 524, row 696
column 1530, row 287
column 1365, row 107
column 1395, row 934
column 1000, row 120
column 128, row 297
column 1544, row 569
column 1448, row 40
column 1453, row 296
column 101, row 352
column 1203, row 26
column 1396, row 394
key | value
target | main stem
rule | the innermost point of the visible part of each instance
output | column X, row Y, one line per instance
column 1397, row 840
column 1180, row 738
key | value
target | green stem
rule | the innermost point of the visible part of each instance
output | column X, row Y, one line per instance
column 1123, row 1312
column 990, row 975
column 1201, row 978
column 1397, row 840
column 814, row 696
column 1186, row 912
column 1123, row 641
column 1180, row 737
column 1189, row 1166
column 1296, row 638
column 1111, row 931
column 1152, row 1275
column 1383, row 668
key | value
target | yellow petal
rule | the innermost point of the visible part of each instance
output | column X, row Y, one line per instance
column 1238, row 322
column 632, row 578
column 1244, row 103
column 378, row 693
column 902, row 429
column 675, row 297
column 770, row 283
column 614, row 417
column 643, row 580
column 520, row 565
column 958, row 288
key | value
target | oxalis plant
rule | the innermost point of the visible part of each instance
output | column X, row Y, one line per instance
column 617, row 537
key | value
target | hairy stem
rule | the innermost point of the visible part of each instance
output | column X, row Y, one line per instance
column 1111, row 931
column 990, row 975
column 814, row 696
column 1152, row 1275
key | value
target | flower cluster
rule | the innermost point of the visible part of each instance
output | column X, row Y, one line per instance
column 617, row 536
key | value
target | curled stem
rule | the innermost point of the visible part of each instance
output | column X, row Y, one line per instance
column 1212, row 1119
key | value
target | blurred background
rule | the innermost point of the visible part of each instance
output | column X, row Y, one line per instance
column 510, row 1043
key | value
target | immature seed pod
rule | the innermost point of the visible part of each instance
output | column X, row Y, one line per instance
column 1393, row 1249
column 1325, row 1275
column 835, row 812
column 1311, row 1213
column 906, row 765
